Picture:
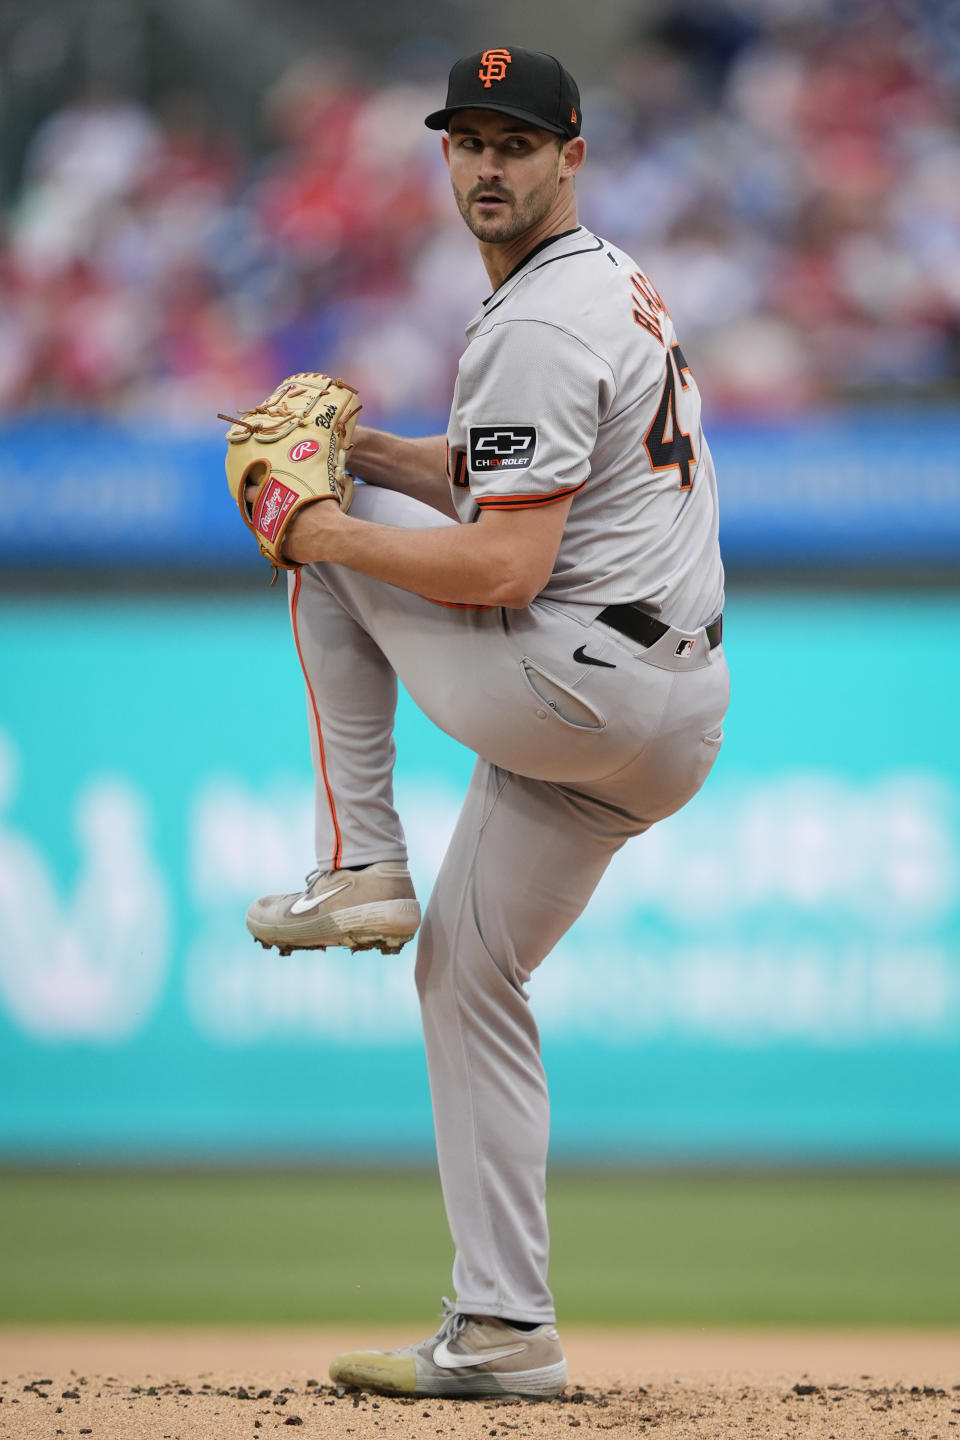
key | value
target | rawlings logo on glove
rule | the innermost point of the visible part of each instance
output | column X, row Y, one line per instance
column 307, row 402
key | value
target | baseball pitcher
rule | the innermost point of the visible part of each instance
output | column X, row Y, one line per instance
column 546, row 582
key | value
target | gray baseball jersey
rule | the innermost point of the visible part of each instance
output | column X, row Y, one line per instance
column 574, row 383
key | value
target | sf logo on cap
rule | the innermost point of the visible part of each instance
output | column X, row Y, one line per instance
column 493, row 66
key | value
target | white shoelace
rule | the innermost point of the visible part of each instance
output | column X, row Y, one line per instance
column 453, row 1321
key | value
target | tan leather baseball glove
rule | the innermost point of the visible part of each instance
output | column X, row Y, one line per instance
column 294, row 448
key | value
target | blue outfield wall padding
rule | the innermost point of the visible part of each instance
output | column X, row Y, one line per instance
column 856, row 487
column 83, row 492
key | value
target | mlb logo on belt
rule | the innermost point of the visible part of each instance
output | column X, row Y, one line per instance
column 685, row 649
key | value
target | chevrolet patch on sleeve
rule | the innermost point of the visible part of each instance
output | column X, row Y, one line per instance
column 501, row 447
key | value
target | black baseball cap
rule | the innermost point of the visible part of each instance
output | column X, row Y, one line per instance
column 526, row 84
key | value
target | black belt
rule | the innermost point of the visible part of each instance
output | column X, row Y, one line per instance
column 631, row 620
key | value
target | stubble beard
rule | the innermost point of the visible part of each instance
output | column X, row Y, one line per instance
column 499, row 229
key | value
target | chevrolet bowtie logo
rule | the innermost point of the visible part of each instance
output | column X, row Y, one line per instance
column 504, row 442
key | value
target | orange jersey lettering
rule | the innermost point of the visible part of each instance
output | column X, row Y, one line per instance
column 648, row 307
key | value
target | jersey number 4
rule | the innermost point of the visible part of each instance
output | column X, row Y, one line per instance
column 665, row 442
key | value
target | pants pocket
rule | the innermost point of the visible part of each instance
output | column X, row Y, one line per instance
column 556, row 697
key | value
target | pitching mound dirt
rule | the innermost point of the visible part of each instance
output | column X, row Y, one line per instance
column 181, row 1385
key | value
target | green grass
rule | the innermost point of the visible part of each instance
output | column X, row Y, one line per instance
column 335, row 1247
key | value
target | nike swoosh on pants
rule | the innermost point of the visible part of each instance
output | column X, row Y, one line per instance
column 581, row 654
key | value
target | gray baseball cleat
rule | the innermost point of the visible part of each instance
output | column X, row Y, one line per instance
column 470, row 1355
column 370, row 909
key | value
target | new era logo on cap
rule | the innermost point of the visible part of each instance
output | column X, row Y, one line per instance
column 526, row 84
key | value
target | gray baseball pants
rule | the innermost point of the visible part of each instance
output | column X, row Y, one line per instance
column 573, row 759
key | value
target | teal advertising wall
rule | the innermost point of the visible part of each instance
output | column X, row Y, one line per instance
column 773, row 974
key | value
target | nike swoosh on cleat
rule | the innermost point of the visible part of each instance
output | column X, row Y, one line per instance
column 301, row 906
column 444, row 1357
column 581, row 654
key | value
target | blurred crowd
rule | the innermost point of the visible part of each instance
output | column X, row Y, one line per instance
column 791, row 186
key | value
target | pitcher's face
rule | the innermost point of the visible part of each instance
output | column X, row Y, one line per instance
column 505, row 173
